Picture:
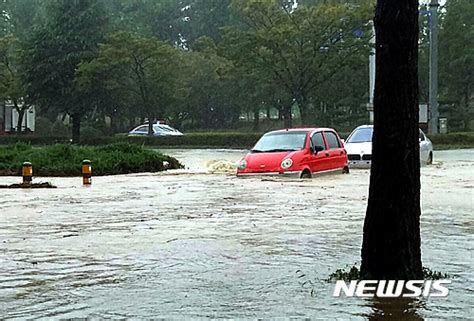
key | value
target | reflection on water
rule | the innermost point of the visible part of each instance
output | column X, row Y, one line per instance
column 212, row 245
column 395, row 309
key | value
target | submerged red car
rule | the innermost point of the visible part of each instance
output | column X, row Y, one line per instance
column 295, row 152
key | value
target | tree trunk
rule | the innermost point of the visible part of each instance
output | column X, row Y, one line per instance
column 287, row 118
column 19, row 124
column 151, row 120
column 76, row 128
column 467, row 119
column 303, row 106
column 21, row 114
column 391, row 243
column 256, row 119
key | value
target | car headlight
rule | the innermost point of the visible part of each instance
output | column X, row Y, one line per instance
column 243, row 165
column 287, row 163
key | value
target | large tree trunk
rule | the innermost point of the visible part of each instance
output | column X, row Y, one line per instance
column 391, row 244
column 76, row 128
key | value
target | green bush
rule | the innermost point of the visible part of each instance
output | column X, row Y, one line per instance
column 461, row 138
column 89, row 132
column 216, row 140
column 33, row 140
column 59, row 129
column 66, row 160
column 43, row 126
column 196, row 140
column 205, row 140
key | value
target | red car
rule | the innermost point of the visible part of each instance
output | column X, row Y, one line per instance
column 295, row 152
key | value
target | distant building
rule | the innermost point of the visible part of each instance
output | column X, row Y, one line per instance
column 9, row 119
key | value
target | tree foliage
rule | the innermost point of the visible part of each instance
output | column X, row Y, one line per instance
column 221, row 60
column 297, row 49
column 54, row 52
column 146, row 74
column 457, row 62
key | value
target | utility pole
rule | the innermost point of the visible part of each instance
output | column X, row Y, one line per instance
column 433, row 104
column 370, row 105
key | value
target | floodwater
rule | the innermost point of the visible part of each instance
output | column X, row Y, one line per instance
column 195, row 244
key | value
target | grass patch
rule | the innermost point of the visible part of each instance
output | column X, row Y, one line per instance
column 351, row 273
column 66, row 160
column 347, row 274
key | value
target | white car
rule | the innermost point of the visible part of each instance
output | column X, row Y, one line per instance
column 359, row 147
column 158, row 130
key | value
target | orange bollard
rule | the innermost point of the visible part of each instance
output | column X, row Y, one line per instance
column 27, row 172
column 86, row 172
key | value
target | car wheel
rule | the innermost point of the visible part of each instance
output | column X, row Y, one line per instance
column 430, row 159
column 345, row 170
column 306, row 175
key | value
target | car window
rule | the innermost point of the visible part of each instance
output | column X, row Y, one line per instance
column 161, row 128
column 171, row 129
column 318, row 140
column 165, row 129
column 142, row 129
column 361, row 135
column 281, row 141
column 333, row 141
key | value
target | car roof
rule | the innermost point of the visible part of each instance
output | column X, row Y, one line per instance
column 364, row 126
column 306, row 129
column 372, row 126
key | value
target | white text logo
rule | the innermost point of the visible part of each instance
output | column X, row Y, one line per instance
column 392, row 288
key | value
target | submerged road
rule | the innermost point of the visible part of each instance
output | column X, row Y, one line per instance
column 190, row 243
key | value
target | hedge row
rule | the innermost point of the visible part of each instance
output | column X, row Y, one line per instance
column 221, row 140
column 202, row 140
column 461, row 139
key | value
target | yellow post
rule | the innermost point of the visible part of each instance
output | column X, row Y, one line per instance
column 27, row 172
column 86, row 172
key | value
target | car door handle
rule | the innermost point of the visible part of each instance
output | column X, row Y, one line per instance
column 327, row 154
column 342, row 153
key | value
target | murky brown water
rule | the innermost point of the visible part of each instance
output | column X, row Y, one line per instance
column 212, row 245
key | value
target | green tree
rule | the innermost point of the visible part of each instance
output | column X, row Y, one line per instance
column 164, row 19
column 144, row 73
column 301, row 48
column 206, row 18
column 457, row 61
column 213, row 99
column 18, row 17
column 69, row 36
column 12, row 89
